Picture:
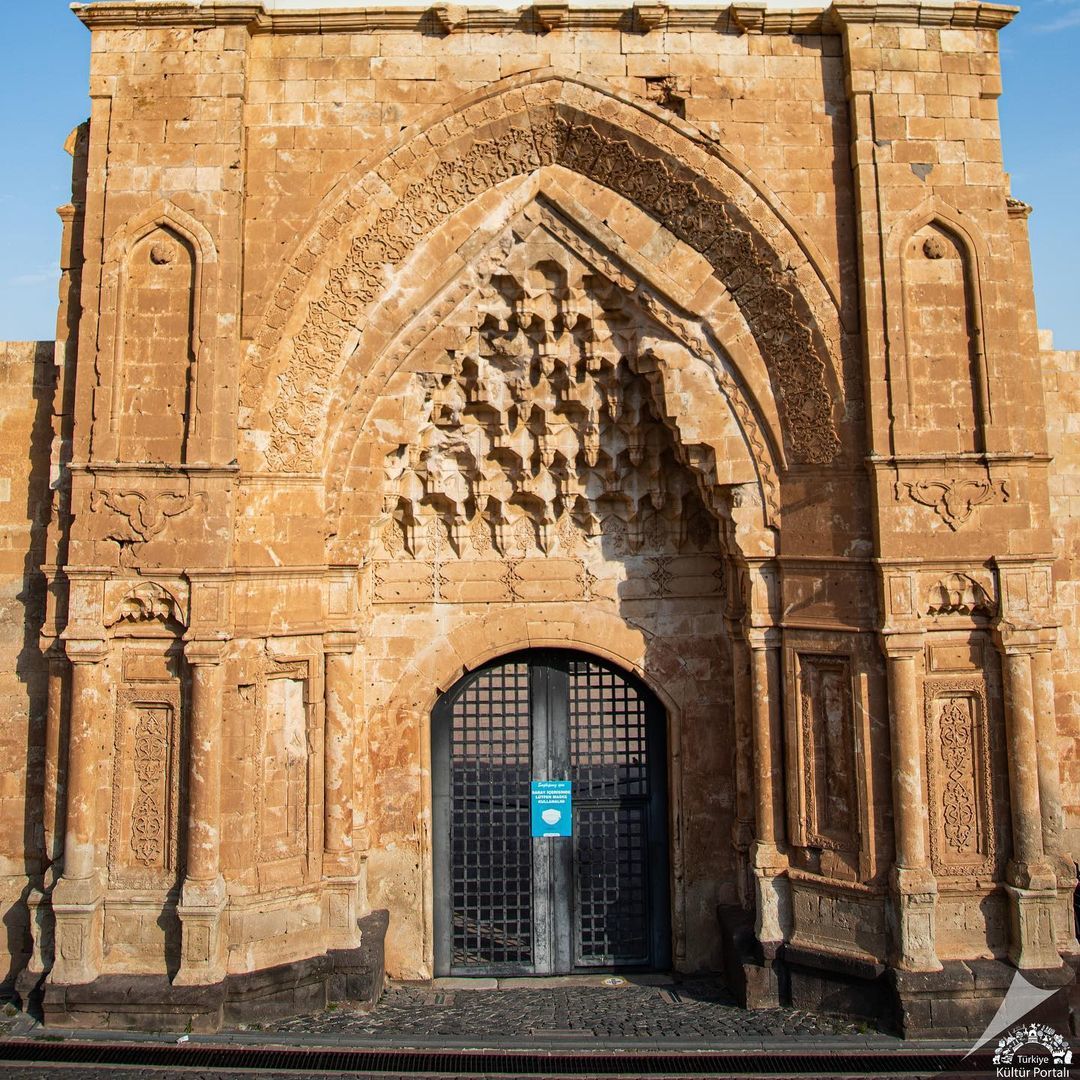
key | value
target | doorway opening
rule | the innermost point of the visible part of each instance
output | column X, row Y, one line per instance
column 508, row 902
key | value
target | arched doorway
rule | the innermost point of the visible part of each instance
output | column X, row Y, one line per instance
column 511, row 903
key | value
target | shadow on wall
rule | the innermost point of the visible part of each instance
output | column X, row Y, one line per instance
column 24, row 622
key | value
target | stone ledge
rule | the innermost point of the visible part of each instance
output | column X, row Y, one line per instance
column 757, row 18
column 152, row 1003
column 822, row 960
column 960, row 1000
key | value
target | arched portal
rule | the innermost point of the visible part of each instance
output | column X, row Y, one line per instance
column 549, row 788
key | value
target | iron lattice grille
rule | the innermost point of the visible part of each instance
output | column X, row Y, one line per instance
column 608, row 750
column 490, row 843
column 612, row 887
column 609, row 771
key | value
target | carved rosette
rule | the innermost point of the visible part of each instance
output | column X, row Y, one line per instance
column 959, row 778
column 716, row 228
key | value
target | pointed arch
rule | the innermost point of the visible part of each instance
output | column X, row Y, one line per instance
column 479, row 639
column 186, row 242
column 740, row 445
column 514, row 129
column 965, row 233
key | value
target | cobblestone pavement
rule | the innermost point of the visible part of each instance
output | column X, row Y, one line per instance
column 699, row 1011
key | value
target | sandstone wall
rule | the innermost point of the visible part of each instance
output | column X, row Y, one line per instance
column 296, row 215
column 1061, row 382
column 26, row 394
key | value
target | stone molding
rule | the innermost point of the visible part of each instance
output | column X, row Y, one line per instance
column 744, row 18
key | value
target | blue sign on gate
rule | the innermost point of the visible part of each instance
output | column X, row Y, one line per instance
column 551, row 811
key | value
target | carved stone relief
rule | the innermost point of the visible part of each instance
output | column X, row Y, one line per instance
column 148, row 602
column 959, row 778
column 953, row 501
column 830, row 811
column 283, row 741
column 144, row 516
column 711, row 226
column 538, row 448
column 143, row 828
column 959, row 594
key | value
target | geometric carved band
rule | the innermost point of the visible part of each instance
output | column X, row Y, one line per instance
column 532, row 580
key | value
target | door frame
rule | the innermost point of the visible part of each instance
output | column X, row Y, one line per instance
column 553, row 861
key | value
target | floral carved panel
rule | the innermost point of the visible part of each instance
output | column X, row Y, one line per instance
column 143, row 832
column 959, row 778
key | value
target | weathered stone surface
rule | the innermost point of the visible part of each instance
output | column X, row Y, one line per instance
column 699, row 341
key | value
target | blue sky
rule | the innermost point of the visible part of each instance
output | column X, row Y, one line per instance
column 43, row 80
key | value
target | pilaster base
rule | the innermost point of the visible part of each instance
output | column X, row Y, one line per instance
column 202, row 950
column 1031, row 917
column 960, row 1000
column 915, row 897
column 78, row 921
column 772, row 894
column 343, row 898
column 28, row 981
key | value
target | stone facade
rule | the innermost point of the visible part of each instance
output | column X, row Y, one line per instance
column 396, row 340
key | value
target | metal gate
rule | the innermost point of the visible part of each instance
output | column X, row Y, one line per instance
column 508, row 903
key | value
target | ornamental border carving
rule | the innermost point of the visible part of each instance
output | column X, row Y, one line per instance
column 122, row 873
column 675, row 192
column 935, row 691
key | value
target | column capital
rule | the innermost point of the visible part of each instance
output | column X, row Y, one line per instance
column 761, row 637
column 1016, row 640
column 901, row 645
column 340, row 641
column 205, row 652
column 81, row 650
